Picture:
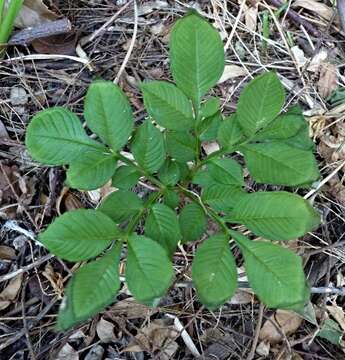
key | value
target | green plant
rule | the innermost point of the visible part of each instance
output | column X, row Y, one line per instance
column 275, row 146
column 7, row 18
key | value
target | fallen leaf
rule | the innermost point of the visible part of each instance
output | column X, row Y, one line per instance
column 67, row 353
column 210, row 147
column 316, row 7
column 3, row 131
column 18, row 96
column 62, row 44
column 157, row 335
column 328, row 79
column 105, row 331
column 337, row 313
column 10, row 292
column 34, row 12
column 298, row 54
column 287, row 321
column 231, row 72
column 251, row 17
column 242, row 297
column 131, row 309
column 96, row 353
column 55, row 279
column 263, row 349
column 317, row 60
column 331, row 331
column 7, row 253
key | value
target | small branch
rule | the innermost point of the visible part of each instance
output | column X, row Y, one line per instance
column 257, row 332
column 341, row 10
column 50, row 28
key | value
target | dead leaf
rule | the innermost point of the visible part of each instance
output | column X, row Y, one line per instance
column 316, row 7
column 287, row 321
column 34, row 12
column 67, row 353
column 55, row 279
column 131, row 309
column 328, row 79
column 231, row 72
column 242, row 297
column 10, row 292
column 62, row 44
column 210, row 147
column 263, row 349
column 298, row 54
column 251, row 17
column 317, row 60
column 3, row 131
column 158, row 335
column 7, row 253
column 338, row 313
column 105, row 331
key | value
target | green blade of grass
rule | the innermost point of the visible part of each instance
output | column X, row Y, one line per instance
column 8, row 18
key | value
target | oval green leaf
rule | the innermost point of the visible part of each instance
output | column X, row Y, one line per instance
column 193, row 222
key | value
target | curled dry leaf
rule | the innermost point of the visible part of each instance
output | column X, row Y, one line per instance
column 33, row 13
column 131, row 309
column 231, row 72
column 105, row 331
column 10, row 292
column 158, row 335
column 287, row 321
column 318, row 8
column 328, row 79
column 67, row 353
column 7, row 253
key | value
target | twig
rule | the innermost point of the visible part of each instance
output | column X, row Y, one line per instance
column 26, row 268
column 131, row 46
column 104, row 27
column 341, row 11
column 49, row 28
column 257, row 332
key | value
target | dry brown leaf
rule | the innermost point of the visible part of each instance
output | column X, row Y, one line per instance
column 7, row 253
column 105, row 331
column 10, row 292
column 210, row 147
column 328, row 79
column 316, row 7
column 263, row 349
column 287, row 321
column 155, row 336
column 231, row 72
column 33, row 13
column 55, row 279
column 67, row 353
column 338, row 313
column 62, row 44
column 131, row 309
column 251, row 17
column 242, row 297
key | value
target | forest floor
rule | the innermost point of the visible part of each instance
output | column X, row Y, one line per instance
column 303, row 42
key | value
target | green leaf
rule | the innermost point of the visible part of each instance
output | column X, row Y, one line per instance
column 302, row 139
column 121, row 205
column 260, row 102
column 125, row 177
column 230, row 133
column 108, row 113
column 169, row 173
column 277, row 215
column 283, row 127
column 274, row 273
column 91, row 288
column 168, row 105
column 210, row 107
column 280, row 164
column 184, row 171
column 148, row 147
column 210, row 126
column 79, row 234
column 193, row 222
column 149, row 271
column 331, row 331
column 226, row 171
column 181, row 145
column 56, row 137
column 196, row 56
column 162, row 226
column 203, row 178
column 222, row 197
column 171, row 198
column 214, row 272
column 92, row 170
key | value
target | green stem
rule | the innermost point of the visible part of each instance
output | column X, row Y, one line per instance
column 134, row 222
column 141, row 170
column 208, row 211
